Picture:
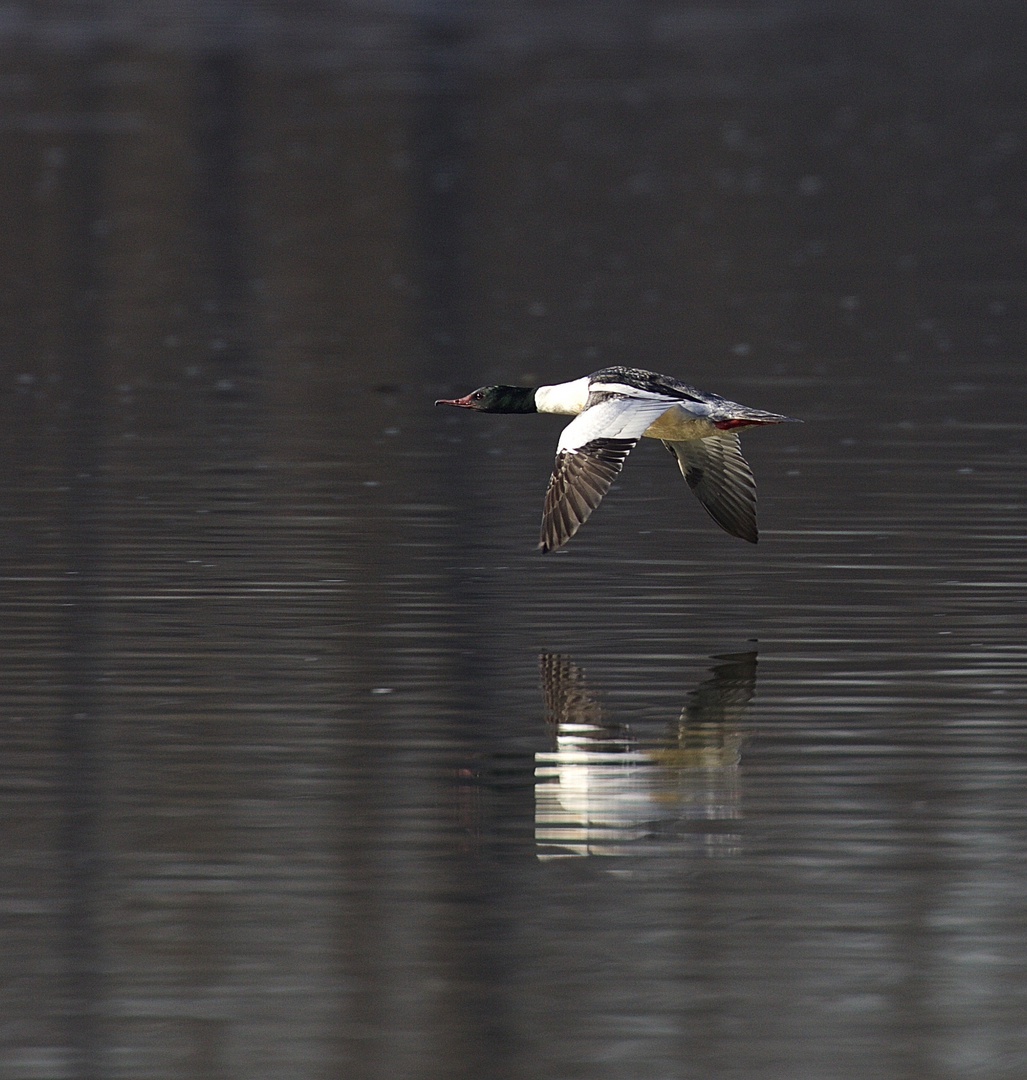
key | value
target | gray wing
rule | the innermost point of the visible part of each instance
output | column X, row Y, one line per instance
column 580, row 479
column 722, row 481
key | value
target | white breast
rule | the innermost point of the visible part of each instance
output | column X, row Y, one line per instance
column 567, row 398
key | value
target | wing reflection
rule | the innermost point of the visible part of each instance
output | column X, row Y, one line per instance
column 606, row 790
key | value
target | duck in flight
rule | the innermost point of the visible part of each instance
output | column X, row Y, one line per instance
column 613, row 408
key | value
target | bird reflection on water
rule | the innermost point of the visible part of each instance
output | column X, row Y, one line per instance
column 609, row 790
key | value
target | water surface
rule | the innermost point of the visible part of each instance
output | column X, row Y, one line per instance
column 312, row 765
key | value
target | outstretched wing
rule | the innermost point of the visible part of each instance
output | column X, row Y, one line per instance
column 722, row 481
column 580, row 479
column 589, row 455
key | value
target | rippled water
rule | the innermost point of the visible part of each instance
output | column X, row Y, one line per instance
column 312, row 765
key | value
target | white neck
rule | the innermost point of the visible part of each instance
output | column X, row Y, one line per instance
column 568, row 398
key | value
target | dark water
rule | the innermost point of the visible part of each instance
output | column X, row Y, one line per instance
column 311, row 765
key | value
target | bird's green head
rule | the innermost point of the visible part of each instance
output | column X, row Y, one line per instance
column 498, row 399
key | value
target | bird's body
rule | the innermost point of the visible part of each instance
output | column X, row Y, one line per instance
column 615, row 407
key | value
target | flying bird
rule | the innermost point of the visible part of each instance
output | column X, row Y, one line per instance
column 613, row 408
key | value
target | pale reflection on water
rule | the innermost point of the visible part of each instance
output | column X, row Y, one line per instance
column 608, row 790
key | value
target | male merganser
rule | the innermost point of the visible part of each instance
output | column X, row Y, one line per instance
column 614, row 407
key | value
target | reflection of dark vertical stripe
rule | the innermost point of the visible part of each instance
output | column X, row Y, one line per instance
column 488, row 1042
column 438, row 153
column 82, row 596
column 218, row 131
column 219, row 200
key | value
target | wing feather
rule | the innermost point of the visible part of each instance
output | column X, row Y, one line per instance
column 580, row 479
column 722, row 481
